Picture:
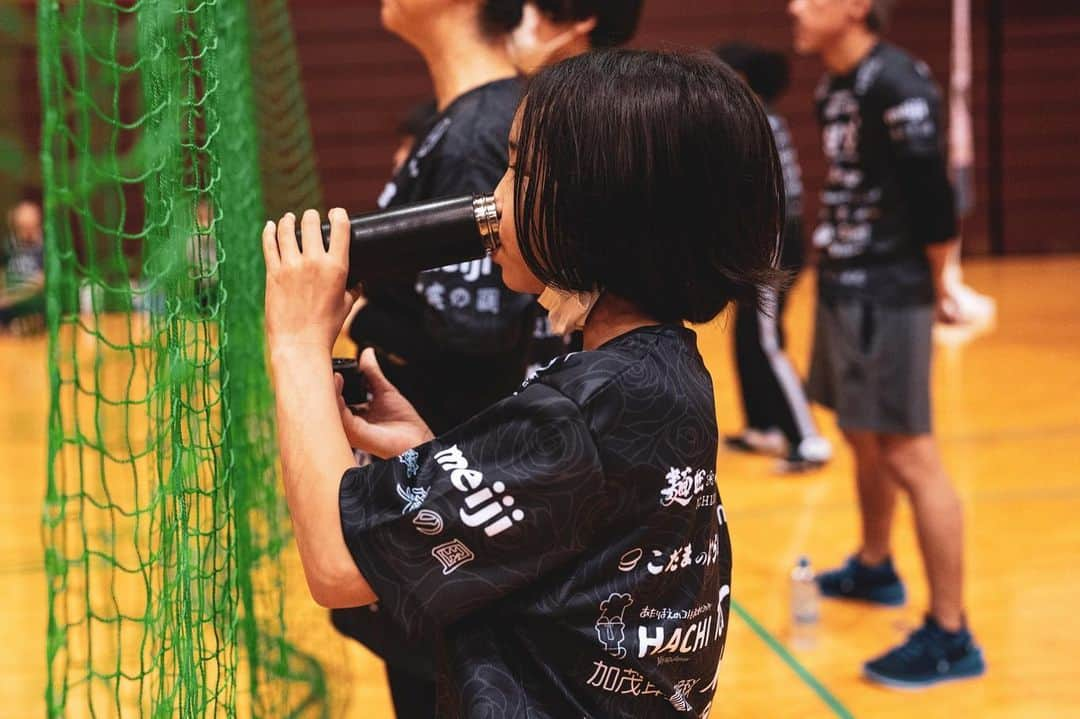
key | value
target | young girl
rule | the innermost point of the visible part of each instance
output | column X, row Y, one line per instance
column 567, row 544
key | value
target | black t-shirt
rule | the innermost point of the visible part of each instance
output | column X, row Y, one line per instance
column 886, row 191
column 461, row 308
column 567, row 545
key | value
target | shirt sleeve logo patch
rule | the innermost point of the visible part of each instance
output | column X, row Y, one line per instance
column 485, row 506
column 452, row 555
column 428, row 522
column 413, row 497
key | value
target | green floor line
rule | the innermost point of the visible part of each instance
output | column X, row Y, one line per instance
column 781, row 651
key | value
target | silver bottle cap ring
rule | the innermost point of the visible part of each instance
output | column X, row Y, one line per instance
column 487, row 222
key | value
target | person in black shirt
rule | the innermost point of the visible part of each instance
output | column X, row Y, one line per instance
column 886, row 228
column 774, row 401
column 454, row 339
column 567, row 546
column 22, row 272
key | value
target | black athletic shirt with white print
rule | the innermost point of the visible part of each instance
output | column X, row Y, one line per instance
column 789, row 165
column 886, row 193
column 463, row 308
column 569, row 542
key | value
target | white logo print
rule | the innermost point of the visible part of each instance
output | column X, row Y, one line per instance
column 471, row 270
column 411, row 459
column 709, row 689
column 681, row 558
column 428, row 522
column 629, row 560
column 452, row 555
column 459, row 297
column 412, row 496
column 485, row 508
column 724, row 591
column 678, row 699
column 617, row 680
column 610, row 628
column 685, row 486
column 684, row 640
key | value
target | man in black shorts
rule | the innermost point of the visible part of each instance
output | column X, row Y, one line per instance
column 887, row 224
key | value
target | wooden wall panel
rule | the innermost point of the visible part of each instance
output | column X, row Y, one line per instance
column 360, row 80
column 1040, row 122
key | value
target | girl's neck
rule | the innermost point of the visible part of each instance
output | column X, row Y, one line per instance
column 610, row 317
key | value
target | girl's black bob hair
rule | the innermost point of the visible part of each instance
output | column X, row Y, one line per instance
column 650, row 175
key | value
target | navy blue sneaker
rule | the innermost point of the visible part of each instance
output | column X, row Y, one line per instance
column 854, row 580
column 929, row 656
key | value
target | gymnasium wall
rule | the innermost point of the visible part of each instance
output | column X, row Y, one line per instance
column 360, row 80
column 1039, row 150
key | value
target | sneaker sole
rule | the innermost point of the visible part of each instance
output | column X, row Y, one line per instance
column 805, row 466
column 890, row 602
column 905, row 685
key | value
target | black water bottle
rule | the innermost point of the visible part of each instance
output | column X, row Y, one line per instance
column 407, row 239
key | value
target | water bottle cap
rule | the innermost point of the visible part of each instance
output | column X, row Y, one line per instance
column 804, row 561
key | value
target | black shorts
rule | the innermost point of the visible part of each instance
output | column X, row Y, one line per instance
column 871, row 365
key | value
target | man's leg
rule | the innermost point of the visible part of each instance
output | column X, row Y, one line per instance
column 877, row 497
column 943, row 648
column 915, row 465
column 869, row 575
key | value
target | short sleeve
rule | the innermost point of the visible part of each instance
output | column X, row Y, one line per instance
column 477, row 513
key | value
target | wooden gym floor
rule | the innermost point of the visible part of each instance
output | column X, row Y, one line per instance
column 1006, row 406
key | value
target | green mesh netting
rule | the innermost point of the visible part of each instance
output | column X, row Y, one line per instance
column 163, row 525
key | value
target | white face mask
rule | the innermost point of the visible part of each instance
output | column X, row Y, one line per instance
column 527, row 51
column 567, row 311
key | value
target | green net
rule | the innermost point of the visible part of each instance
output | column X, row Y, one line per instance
column 163, row 525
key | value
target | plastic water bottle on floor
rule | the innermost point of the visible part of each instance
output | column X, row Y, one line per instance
column 804, row 605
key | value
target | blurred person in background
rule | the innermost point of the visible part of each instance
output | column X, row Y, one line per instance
column 777, row 414
column 887, row 226
column 454, row 339
column 22, row 294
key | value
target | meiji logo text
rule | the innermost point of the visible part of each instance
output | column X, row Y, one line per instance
column 485, row 508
